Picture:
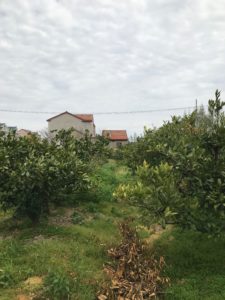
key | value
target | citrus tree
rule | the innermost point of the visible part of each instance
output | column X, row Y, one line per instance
column 34, row 172
column 181, row 177
column 87, row 148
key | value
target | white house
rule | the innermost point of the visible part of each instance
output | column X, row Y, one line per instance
column 6, row 129
column 81, row 123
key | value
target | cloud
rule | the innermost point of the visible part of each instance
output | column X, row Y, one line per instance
column 106, row 55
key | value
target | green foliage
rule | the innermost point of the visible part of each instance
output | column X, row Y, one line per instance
column 153, row 193
column 183, row 179
column 92, row 207
column 194, row 263
column 76, row 250
column 86, row 148
column 6, row 279
column 35, row 172
column 57, row 286
column 106, row 178
column 77, row 218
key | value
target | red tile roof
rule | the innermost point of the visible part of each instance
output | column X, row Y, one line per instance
column 23, row 130
column 82, row 117
column 115, row 135
column 85, row 117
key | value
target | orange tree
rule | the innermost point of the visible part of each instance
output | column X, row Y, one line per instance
column 181, row 177
column 34, row 172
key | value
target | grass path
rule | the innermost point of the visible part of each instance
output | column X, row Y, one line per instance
column 76, row 249
column 195, row 265
column 75, row 240
column 63, row 246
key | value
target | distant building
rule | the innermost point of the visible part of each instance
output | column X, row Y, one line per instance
column 6, row 129
column 23, row 132
column 116, row 138
column 3, row 127
column 81, row 123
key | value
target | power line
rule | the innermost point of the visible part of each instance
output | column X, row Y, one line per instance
column 144, row 111
column 102, row 113
column 28, row 111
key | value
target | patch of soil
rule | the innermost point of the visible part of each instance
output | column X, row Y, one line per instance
column 34, row 281
column 156, row 232
column 23, row 297
column 62, row 220
column 38, row 239
column 30, row 286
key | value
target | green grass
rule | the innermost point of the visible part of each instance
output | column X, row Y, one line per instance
column 195, row 265
column 77, row 251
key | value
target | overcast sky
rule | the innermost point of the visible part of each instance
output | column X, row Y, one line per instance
column 88, row 56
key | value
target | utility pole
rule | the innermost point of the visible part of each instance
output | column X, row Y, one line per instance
column 196, row 112
column 196, row 104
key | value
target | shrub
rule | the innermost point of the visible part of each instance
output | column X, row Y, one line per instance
column 154, row 193
column 34, row 173
column 87, row 148
column 182, row 178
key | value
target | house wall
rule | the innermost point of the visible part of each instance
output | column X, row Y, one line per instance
column 6, row 129
column 116, row 144
column 66, row 122
column 89, row 126
column 3, row 127
column 23, row 133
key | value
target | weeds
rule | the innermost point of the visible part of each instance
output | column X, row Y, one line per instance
column 57, row 286
column 77, row 218
column 6, row 279
column 195, row 265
